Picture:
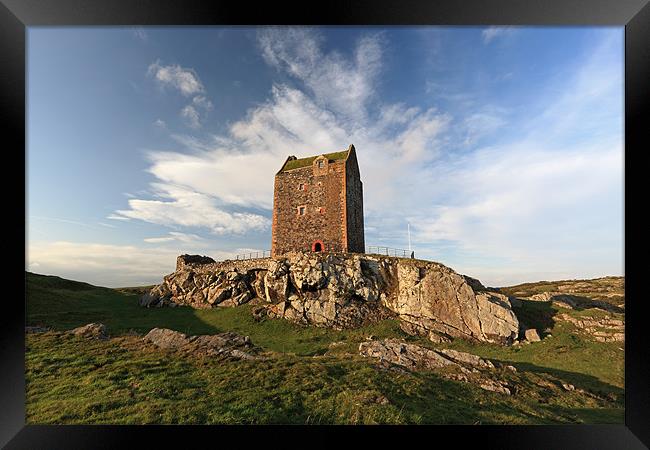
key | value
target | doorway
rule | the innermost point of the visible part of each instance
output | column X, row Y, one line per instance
column 317, row 246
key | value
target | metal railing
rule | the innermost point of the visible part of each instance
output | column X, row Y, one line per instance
column 388, row 251
column 372, row 249
column 254, row 255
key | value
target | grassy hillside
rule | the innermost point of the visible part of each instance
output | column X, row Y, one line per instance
column 608, row 289
column 311, row 375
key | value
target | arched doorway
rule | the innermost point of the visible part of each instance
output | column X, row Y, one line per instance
column 317, row 246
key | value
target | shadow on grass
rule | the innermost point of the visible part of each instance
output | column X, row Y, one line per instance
column 537, row 315
column 61, row 304
column 580, row 303
column 604, row 391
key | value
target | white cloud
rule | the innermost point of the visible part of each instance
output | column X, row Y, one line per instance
column 530, row 204
column 191, row 116
column 183, row 79
column 159, row 123
column 180, row 206
column 159, row 239
column 491, row 33
column 102, row 264
column 187, row 82
column 482, row 123
column 175, row 236
column 114, row 265
column 116, row 217
column 201, row 101
column 343, row 85
column 547, row 205
column 504, row 194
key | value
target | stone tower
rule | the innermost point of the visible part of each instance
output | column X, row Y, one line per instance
column 318, row 205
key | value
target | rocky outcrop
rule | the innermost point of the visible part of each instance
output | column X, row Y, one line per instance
column 91, row 331
column 345, row 291
column 224, row 344
column 575, row 302
column 438, row 302
column 606, row 329
column 460, row 366
column 334, row 291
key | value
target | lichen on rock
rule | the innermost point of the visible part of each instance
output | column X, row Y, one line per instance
column 345, row 291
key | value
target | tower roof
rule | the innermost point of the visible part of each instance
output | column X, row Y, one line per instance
column 291, row 164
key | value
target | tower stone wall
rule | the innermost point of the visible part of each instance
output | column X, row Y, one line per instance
column 318, row 205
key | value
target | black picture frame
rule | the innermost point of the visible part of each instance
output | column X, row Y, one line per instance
column 634, row 15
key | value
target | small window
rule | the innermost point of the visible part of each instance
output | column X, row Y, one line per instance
column 320, row 184
column 321, row 163
column 301, row 210
column 302, row 187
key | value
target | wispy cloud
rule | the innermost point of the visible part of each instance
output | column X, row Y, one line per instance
column 510, row 202
column 117, row 217
column 180, row 206
column 185, row 80
column 342, row 84
column 191, row 116
column 491, row 33
column 202, row 102
column 140, row 34
column 175, row 236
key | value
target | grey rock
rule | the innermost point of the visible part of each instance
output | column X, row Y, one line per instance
column 465, row 367
column 224, row 344
column 531, row 335
column 166, row 338
column 91, row 330
column 347, row 291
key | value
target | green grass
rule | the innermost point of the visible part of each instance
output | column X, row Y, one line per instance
column 302, row 380
column 608, row 289
column 56, row 303
column 305, row 162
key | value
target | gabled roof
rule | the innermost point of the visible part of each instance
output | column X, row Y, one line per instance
column 291, row 164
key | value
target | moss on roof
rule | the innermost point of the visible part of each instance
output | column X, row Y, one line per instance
column 304, row 162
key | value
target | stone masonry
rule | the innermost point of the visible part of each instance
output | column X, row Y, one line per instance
column 318, row 205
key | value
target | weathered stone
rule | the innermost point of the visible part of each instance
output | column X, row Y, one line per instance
column 467, row 358
column 531, row 335
column 258, row 284
column 349, row 290
column 601, row 330
column 407, row 355
column 166, row 338
column 464, row 367
column 276, row 282
column 184, row 261
column 156, row 295
column 318, row 205
column 223, row 344
column 219, row 293
column 436, row 298
column 417, row 330
column 91, row 330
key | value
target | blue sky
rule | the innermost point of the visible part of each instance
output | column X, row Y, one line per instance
column 501, row 146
